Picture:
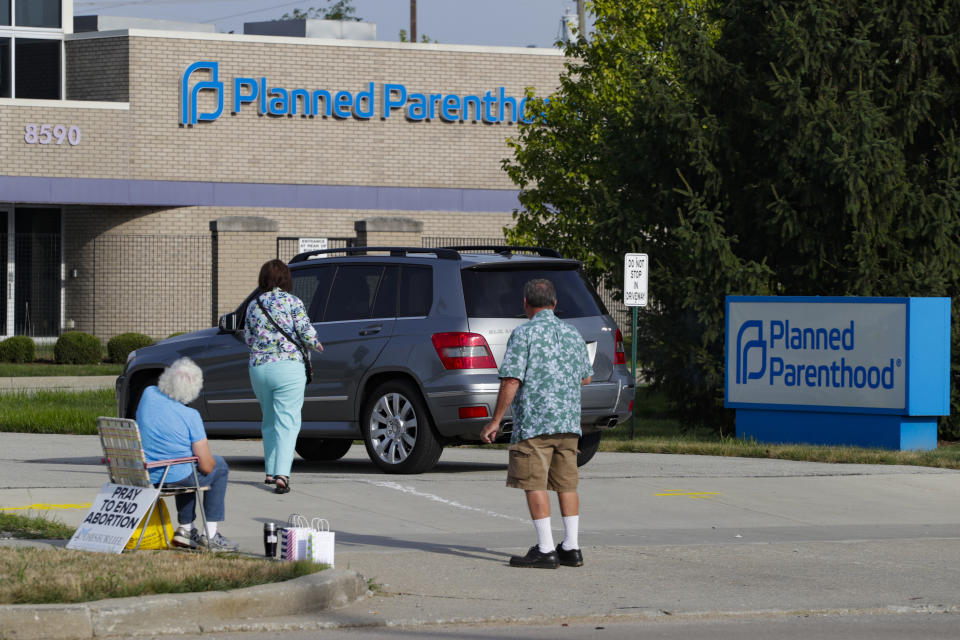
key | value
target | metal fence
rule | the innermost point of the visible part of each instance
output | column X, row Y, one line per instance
column 153, row 284
column 619, row 312
column 289, row 246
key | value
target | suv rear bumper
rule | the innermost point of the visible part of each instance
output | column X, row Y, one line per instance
column 606, row 404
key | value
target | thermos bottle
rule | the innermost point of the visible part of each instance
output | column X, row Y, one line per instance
column 270, row 539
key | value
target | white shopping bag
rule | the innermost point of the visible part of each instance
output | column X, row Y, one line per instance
column 303, row 540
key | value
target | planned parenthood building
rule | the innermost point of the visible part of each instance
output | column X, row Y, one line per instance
column 146, row 173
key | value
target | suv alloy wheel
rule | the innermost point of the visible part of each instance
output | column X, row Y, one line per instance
column 397, row 431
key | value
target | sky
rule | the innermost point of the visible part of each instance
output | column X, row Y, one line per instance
column 519, row 23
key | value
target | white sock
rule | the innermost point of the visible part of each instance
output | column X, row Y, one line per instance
column 211, row 529
column 186, row 528
column 571, row 529
column 544, row 534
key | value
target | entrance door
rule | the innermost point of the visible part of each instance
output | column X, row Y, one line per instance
column 30, row 252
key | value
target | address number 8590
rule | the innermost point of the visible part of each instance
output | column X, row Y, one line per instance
column 51, row 134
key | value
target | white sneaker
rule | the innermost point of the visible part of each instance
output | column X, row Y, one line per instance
column 185, row 538
column 217, row 543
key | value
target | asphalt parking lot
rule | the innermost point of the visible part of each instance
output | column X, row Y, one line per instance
column 662, row 534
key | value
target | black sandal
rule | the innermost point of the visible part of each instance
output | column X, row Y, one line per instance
column 269, row 480
column 283, row 484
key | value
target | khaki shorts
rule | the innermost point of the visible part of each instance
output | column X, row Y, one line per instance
column 544, row 463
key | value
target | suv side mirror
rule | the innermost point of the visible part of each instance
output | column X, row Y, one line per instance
column 229, row 323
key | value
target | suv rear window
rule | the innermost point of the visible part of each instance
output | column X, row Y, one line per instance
column 499, row 294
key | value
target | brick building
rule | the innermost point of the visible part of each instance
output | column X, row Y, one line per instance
column 146, row 174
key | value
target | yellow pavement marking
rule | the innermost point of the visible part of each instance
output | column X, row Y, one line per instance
column 688, row 494
column 45, row 507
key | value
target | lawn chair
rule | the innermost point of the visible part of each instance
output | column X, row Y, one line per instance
column 123, row 455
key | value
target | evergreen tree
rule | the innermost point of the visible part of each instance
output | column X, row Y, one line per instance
column 797, row 147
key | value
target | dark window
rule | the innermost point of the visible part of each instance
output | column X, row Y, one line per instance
column 385, row 305
column 312, row 286
column 38, row 68
column 37, row 13
column 37, row 268
column 351, row 297
column 4, row 67
column 5, row 12
column 499, row 294
column 416, row 291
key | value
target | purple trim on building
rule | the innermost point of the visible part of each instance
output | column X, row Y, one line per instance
column 170, row 193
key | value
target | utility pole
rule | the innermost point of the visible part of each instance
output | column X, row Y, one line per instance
column 413, row 20
column 581, row 20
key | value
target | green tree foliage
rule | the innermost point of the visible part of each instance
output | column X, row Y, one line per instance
column 804, row 147
column 335, row 10
column 405, row 37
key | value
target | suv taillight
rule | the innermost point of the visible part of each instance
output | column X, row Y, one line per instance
column 461, row 350
column 619, row 356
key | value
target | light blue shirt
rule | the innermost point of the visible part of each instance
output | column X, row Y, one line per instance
column 168, row 430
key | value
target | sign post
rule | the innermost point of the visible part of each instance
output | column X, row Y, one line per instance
column 635, row 266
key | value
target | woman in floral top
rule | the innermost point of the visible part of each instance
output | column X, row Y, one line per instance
column 276, row 367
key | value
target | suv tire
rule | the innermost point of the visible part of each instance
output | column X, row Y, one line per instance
column 589, row 443
column 397, row 429
column 323, row 449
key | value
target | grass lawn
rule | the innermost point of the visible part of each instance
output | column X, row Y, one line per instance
column 56, row 575
column 72, row 412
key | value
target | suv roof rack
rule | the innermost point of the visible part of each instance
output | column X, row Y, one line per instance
column 443, row 253
column 507, row 251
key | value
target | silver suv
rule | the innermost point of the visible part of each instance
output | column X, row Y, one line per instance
column 412, row 338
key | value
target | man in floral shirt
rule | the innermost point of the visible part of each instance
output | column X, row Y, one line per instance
column 541, row 373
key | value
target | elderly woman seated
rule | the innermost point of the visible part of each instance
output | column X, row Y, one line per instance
column 170, row 429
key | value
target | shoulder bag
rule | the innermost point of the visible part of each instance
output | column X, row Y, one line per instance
column 307, row 366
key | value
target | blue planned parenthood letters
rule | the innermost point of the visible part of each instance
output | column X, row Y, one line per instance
column 371, row 100
column 815, row 369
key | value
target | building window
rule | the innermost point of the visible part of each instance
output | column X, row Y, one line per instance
column 31, row 49
column 37, row 13
column 37, row 68
column 4, row 67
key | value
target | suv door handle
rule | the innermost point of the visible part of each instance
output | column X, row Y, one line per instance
column 372, row 329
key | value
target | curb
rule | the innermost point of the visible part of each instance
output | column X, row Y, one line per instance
column 183, row 612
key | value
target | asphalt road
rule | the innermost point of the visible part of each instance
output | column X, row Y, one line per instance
column 666, row 539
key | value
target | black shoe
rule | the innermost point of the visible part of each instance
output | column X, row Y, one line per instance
column 536, row 559
column 571, row 558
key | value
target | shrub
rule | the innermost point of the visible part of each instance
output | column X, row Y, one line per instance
column 118, row 347
column 174, row 335
column 77, row 347
column 18, row 349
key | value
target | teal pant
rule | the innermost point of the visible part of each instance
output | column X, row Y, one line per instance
column 279, row 388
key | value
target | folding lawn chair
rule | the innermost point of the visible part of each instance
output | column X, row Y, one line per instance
column 123, row 455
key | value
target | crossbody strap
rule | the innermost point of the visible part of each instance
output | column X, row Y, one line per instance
column 286, row 335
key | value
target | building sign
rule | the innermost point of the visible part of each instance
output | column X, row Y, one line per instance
column 113, row 518
column 816, row 352
column 311, row 244
column 381, row 100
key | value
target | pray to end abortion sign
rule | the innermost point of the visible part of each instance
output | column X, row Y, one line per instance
column 113, row 518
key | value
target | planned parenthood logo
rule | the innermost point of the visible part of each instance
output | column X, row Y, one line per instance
column 188, row 94
column 820, row 353
column 370, row 100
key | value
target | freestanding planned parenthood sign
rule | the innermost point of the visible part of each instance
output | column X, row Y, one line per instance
column 872, row 372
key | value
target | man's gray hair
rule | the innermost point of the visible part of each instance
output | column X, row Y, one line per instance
column 181, row 381
column 540, row 293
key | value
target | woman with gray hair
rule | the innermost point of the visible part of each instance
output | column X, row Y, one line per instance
column 169, row 429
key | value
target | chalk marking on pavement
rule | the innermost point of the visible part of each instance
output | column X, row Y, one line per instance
column 435, row 498
column 45, row 507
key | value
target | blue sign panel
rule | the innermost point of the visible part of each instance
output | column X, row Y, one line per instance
column 838, row 370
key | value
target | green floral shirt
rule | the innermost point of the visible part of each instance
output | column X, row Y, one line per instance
column 549, row 358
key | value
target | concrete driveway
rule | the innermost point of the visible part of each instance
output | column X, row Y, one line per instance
column 662, row 534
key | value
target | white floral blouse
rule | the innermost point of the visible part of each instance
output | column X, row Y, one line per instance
column 265, row 342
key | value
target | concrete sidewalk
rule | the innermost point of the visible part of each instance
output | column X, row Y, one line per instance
column 37, row 383
column 663, row 536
